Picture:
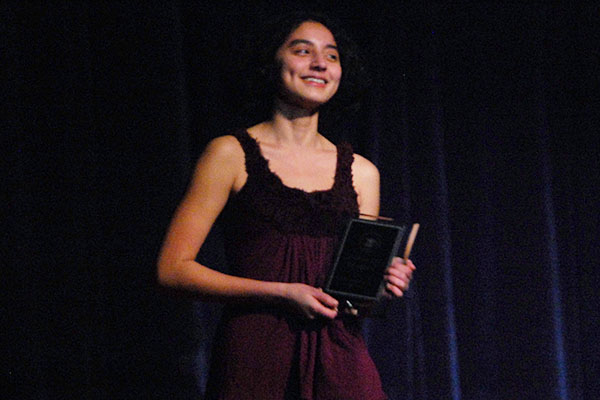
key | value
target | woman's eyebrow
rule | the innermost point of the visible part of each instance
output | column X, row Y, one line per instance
column 304, row 41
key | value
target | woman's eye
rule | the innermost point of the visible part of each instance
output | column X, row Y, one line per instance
column 301, row 51
column 333, row 57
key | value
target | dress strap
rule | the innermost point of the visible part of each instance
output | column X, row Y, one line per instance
column 345, row 158
column 254, row 161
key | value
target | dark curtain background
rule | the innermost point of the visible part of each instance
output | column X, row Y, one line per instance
column 482, row 117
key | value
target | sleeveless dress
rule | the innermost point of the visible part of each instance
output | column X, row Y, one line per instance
column 278, row 233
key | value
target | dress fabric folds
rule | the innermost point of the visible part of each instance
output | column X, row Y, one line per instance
column 278, row 233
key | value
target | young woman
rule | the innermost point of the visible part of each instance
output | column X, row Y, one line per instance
column 288, row 192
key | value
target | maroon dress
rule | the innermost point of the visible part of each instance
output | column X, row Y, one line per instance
column 278, row 233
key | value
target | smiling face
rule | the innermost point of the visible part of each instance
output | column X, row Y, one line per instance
column 310, row 66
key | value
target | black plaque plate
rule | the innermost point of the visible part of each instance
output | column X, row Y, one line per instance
column 365, row 252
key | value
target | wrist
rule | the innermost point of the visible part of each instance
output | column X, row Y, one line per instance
column 280, row 292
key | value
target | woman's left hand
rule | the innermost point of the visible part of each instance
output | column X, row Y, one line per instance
column 397, row 277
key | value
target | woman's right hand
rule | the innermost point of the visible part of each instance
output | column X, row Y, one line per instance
column 311, row 302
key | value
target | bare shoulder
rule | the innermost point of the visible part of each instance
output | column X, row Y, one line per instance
column 363, row 169
column 365, row 177
column 226, row 148
column 223, row 162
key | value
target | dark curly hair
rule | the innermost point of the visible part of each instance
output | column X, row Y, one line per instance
column 264, row 68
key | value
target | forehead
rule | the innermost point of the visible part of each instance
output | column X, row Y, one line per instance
column 314, row 32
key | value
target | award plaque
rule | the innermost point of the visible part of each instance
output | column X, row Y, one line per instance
column 366, row 250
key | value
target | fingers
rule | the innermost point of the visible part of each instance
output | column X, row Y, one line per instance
column 312, row 302
column 350, row 311
column 398, row 275
column 397, row 261
column 325, row 305
column 394, row 289
column 400, row 269
column 326, row 299
column 319, row 310
column 393, row 281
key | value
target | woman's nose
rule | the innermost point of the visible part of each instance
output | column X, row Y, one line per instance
column 318, row 62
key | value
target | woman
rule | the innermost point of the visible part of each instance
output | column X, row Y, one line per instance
column 288, row 191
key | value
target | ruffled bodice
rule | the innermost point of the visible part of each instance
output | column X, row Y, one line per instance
column 265, row 199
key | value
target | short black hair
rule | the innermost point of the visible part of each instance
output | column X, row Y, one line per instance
column 265, row 70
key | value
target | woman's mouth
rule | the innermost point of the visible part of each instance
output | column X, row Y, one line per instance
column 318, row 81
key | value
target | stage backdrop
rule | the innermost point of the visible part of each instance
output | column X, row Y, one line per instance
column 482, row 118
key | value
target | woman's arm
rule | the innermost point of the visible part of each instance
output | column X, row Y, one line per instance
column 366, row 182
column 219, row 171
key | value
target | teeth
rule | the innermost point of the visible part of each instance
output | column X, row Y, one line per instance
column 315, row 80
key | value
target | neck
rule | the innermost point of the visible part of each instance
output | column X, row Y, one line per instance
column 295, row 126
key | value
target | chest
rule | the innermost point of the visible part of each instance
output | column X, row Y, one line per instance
column 307, row 171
